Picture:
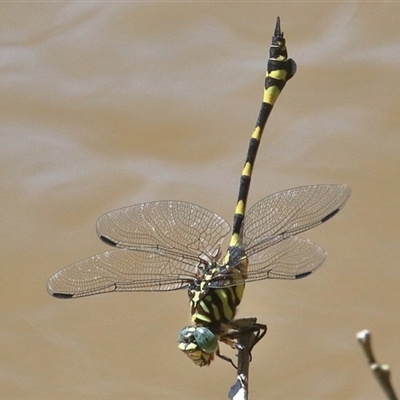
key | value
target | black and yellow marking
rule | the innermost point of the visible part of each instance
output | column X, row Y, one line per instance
column 279, row 70
column 215, row 306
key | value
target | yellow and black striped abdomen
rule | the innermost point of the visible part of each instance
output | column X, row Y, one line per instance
column 279, row 70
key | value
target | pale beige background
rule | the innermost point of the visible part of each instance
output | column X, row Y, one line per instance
column 109, row 104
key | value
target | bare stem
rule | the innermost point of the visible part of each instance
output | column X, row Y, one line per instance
column 240, row 390
column 380, row 371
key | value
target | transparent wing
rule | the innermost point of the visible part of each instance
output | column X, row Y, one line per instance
column 268, row 232
column 292, row 258
column 164, row 227
column 287, row 213
column 121, row 271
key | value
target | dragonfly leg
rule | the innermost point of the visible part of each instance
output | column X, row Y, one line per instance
column 245, row 326
column 238, row 328
column 225, row 358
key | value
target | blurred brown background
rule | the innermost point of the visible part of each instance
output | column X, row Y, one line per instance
column 105, row 105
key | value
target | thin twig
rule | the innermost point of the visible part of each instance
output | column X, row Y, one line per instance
column 380, row 371
column 240, row 390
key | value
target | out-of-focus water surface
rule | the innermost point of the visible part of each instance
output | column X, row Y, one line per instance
column 105, row 105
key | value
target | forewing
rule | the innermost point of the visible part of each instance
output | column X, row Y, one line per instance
column 165, row 227
column 292, row 258
column 122, row 271
column 287, row 213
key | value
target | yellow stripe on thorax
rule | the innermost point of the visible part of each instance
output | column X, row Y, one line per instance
column 223, row 294
column 200, row 317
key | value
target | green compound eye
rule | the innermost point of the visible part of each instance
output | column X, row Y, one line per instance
column 186, row 335
column 206, row 340
column 200, row 337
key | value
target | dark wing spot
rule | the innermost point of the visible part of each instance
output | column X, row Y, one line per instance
column 108, row 241
column 329, row 216
column 62, row 295
column 303, row 275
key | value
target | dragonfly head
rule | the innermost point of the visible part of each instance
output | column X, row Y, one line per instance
column 199, row 344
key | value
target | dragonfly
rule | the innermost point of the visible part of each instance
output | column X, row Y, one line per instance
column 172, row 245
